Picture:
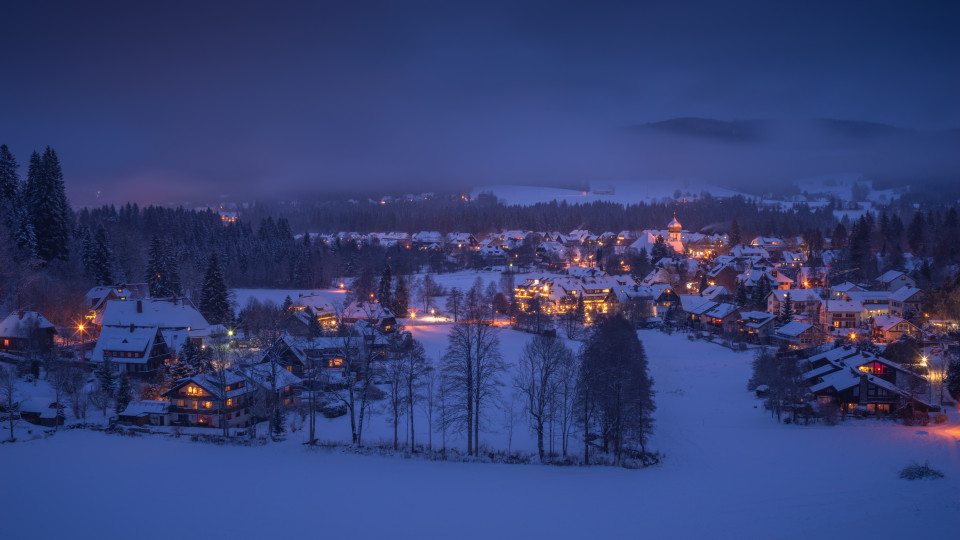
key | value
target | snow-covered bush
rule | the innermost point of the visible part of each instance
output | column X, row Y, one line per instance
column 919, row 472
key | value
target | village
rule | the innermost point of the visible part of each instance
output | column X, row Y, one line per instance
column 178, row 370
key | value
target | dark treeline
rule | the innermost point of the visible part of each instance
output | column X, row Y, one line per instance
column 485, row 214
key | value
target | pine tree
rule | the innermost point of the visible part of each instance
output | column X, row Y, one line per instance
column 9, row 181
column 103, row 259
column 953, row 379
column 124, row 393
column 46, row 203
column 734, row 236
column 279, row 422
column 106, row 376
column 659, row 249
column 214, row 296
column 786, row 310
column 401, row 298
column 741, row 294
column 192, row 359
column 384, row 294
column 161, row 272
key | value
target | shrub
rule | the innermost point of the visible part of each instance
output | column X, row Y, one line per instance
column 334, row 410
column 939, row 418
column 919, row 472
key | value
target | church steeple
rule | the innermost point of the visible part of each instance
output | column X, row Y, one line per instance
column 674, row 229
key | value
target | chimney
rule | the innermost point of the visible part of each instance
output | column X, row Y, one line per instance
column 131, row 328
column 139, row 306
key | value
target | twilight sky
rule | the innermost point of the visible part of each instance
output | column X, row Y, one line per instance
column 175, row 101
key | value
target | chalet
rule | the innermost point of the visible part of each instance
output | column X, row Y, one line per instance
column 905, row 302
column 842, row 315
column 427, row 240
column 793, row 259
column 44, row 413
column 804, row 301
column 162, row 313
column 371, row 312
column 721, row 318
column 812, row 277
column 796, row 335
column 895, row 279
column 777, row 279
column 858, row 380
column 756, row 326
column 461, row 240
column 133, row 350
column 287, row 353
column 890, row 328
column 146, row 412
column 723, row 275
column 97, row 297
column 23, row 331
column 874, row 302
column 202, row 399
column 274, row 379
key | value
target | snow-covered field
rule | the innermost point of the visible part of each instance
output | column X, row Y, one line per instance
column 730, row 472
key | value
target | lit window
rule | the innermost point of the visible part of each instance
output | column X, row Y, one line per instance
column 193, row 390
column 207, row 404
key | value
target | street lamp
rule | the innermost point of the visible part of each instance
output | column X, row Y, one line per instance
column 80, row 329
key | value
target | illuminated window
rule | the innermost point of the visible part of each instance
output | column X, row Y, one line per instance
column 230, row 402
column 193, row 390
column 207, row 404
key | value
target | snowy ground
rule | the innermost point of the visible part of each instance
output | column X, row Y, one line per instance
column 730, row 472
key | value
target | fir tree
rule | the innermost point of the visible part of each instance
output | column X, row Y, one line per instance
column 124, row 393
column 401, row 298
column 384, row 294
column 659, row 249
column 214, row 296
column 741, row 294
column 161, row 272
column 953, row 379
column 192, row 359
column 9, row 181
column 102, row 262
column 279, row 422
column 106, row 376
column 734, row 236
column 786, row 310
column 46, row 203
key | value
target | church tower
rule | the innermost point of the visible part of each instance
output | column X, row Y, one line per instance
column 674, row 229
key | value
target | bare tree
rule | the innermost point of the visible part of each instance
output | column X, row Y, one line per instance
column 472, row 364
column 394, row 373
column 58, row 377
column 79, row 393
column 8, row 395
column 538, row 379
column 415, row 369
column 431, row 381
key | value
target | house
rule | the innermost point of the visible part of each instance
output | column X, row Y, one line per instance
column 874, row 302
column 163, row 313
column 906, row 302
column 842, row 315
column 796, row 335
column 145, row 413
column 97, row 297
column 273, row 378
column 427, row 239
column 137, row 351
column 287, row 353
column 371, row 312
column 200, row 400
column 721, row 318
column 804, row 301
column 23, row 331
column 44, row 413
column 892, row 280
column 756, row 326
column 461, row 240
column 890, row 328
column 858, row 380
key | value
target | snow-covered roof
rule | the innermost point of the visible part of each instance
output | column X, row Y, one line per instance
column 160, row 312
column 890, row 275
column 19, row 324
column 843, row 306
column 904, row 293
column 146, row 407
column 264, row 372
column 793, row 329
column 125, row 339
